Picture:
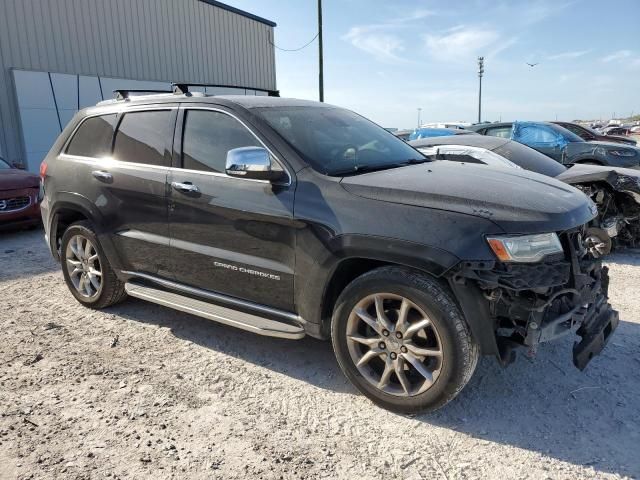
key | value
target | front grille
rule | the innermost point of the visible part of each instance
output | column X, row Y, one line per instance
column 13, row 204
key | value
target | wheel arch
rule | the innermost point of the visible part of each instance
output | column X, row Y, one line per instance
column 70, row 208
column 352, row 257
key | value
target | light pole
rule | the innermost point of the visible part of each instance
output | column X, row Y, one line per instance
column 480, row 72
column 320, row 55
column 419, row 110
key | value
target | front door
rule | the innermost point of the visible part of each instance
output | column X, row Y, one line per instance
column 541, row 138
column 228, row 235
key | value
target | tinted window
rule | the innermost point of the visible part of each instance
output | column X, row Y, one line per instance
column 208, row 136
column 502, row 132
column 142, row 137
column 93, row 138
column 336, row 141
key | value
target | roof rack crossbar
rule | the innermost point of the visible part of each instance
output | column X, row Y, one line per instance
column 181, row 88
column 124, row 93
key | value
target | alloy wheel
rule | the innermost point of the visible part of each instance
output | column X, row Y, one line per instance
column 394, row 344
column 83, row 265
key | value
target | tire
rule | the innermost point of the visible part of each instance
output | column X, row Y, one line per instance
column 102, row 290
column 394, row 290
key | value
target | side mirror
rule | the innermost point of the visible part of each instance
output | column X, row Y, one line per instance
column 250, row 162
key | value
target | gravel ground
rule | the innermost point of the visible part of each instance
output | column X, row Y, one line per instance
column 141, row 391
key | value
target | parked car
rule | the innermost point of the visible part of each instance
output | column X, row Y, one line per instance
column 616, row 191
column 562, row 145
column 618, row 132
column 437, row 132
column 19, row 197
column 590, row 135
column 403, row 134
column 288, row 217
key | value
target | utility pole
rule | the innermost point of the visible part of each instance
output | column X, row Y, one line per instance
column 480, row 72
column 419, row 110
column 321, row 68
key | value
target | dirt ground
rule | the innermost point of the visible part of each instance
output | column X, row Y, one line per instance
column 141, row 391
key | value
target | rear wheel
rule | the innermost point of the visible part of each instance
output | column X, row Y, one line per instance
column 402, row 341
column 86, row 269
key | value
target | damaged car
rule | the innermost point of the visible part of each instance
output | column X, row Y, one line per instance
column 562, row 145
column 288, row 218
column 616, row 191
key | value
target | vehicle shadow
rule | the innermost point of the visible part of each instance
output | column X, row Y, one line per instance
column 544, row 404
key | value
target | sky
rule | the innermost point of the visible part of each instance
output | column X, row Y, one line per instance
column 386, row 59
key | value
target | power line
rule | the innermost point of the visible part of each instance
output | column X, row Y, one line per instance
column 295, row 49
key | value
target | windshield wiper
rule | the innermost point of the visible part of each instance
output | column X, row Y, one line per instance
column 356, row 169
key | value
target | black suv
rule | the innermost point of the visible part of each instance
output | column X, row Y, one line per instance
column 287, row 217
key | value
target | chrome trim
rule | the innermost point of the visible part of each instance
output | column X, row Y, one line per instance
column 16, row 209
column 218, row 297
column 105, row 162
column 217, row 313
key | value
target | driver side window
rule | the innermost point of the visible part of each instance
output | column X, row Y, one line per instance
column 208, row 136
column 536, row 135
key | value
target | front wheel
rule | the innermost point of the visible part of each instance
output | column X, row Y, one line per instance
column 402, row 340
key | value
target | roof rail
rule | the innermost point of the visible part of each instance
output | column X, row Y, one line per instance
column 124, row 93
column 181, row 88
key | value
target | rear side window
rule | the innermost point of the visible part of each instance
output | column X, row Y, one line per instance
column 143, row 137
column 208, row 136
column 93, row 137
column 502, row 132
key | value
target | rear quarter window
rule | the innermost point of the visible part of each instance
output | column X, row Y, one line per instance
column 93, row 138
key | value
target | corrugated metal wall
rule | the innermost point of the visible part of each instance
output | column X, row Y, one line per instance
column 160, row 40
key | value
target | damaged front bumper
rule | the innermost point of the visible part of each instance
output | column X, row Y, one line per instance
column 529, row 304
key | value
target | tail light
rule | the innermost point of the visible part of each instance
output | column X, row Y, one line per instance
column 43, row 170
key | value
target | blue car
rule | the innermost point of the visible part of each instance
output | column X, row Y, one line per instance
column 419, row 133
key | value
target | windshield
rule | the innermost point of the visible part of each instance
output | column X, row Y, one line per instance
column 568, row 135
column 335, row 141
column 4, row 165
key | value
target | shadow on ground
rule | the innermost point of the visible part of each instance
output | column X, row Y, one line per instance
column 544, row 405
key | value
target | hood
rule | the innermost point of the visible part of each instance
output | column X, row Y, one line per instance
column 516, row 200
column 620, row 179
column 14, row 179
column 618, row 139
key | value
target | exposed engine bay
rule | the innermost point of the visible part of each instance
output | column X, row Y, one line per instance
column 531, row 303
column 616, row 192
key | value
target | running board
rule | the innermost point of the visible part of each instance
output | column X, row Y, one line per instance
column 227, row 316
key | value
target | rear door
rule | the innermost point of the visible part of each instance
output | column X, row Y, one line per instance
column 121, row 166
column 142, row 155
column 229, row 235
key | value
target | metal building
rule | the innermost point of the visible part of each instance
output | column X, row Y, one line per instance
column 58, row 56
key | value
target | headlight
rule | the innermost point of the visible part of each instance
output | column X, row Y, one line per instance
column 623, row 153
column 525, row 248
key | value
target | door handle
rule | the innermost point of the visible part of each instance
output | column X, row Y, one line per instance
column 102, row 176
column 186, row 187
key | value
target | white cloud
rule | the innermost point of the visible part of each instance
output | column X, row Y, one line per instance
column 568, row 55
column 380, row 39
column 619, row 55
column 460, row 42
column 382, row 45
